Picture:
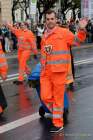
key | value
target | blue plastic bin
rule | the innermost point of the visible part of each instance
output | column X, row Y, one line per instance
column 35, row 75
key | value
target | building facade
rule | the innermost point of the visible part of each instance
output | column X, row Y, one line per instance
column 87, row 8
column 5, row 10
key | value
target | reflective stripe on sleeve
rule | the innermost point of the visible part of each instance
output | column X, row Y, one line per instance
column 3, row 64
column 2, row 56
column 43, row 57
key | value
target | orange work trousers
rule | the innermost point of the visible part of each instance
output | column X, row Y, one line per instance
column 23, row 57
column 52, row 93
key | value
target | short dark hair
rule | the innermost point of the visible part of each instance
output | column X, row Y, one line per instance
column 50, row 12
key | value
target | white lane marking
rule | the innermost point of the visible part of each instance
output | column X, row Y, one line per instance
column 18, row 123
column 76, row 63
column 9, row 79
column 12, row 75
column 30, row 118
column 85, row 61
column 90, row 59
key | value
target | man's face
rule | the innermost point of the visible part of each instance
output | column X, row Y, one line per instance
column 51, row 20
column 23, row 26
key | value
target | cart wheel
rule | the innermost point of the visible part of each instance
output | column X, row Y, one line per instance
column 41, row 111
column 65, row 116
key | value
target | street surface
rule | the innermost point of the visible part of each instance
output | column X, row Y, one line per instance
column 21, row 120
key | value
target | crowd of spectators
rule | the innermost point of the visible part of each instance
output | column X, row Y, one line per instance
column 9, row 40
column 74, row 25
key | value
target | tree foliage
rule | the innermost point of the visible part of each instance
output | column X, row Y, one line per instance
column 44, row 5
column 76, row 4
column 15, row 3
column 23, row 4
column 67, row 5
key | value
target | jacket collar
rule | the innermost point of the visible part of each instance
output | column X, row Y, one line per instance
column 49, row 32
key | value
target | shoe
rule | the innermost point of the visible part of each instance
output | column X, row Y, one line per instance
column 55, row 129
column 18, row 82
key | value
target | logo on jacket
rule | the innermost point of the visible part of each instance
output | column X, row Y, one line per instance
column 48, row 49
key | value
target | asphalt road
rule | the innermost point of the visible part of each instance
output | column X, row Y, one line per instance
column 21, row 120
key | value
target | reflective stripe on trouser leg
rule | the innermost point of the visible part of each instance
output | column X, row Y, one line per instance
column 58, row 98
column 46, row 90
column 23, row 57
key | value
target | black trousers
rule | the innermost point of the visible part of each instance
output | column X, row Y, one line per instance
column 3, row 102
column 72, row 63
column 38, row 42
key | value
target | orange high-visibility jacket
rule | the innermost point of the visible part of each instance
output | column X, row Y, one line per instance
column 54, row 48
column 26, row 39
column 3, row 62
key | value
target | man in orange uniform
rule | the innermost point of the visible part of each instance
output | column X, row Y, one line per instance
column 3, row 74
column 55, row 58
column 26, row 45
